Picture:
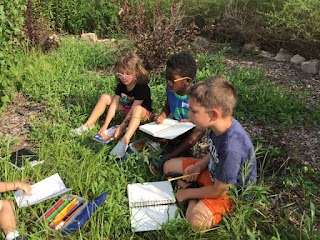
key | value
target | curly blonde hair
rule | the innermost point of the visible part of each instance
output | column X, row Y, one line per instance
column 132, row 63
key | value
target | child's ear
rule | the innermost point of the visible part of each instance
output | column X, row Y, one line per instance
column 213, row 114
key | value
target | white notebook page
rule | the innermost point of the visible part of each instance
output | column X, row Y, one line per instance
column 45, row 189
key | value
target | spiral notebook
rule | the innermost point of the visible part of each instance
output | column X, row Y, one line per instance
column 168, row 129
column 151, row 205
column 43, row 190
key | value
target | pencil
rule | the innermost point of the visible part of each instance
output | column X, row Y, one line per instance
column 55, row 207
column 184, row 176
column 59, row 209
column 65, row 211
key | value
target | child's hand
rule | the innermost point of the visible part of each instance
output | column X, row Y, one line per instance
column 158, row 118
column 25, row 187
column 184, row 120
column 119, row 131
column 182, row 195
column 102, row 129
column 194, row 170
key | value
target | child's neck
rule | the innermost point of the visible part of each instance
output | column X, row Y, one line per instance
column 220, row 126
column 131, row 86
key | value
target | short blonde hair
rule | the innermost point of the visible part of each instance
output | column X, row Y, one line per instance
column 215, row 92
column 132, row 63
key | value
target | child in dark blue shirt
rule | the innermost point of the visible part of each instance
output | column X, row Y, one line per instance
column 231, row 160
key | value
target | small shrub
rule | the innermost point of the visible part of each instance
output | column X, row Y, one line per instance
column 158, row 35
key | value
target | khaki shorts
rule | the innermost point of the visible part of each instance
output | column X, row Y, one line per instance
column 218, row 206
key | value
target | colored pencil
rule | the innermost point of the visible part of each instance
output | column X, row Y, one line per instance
column 65, row 211
column 59, row 209
column 55, row 207
column 184, row 176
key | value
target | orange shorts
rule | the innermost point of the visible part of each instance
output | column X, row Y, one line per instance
column 218, row 206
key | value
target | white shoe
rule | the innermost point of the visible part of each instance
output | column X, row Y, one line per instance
column 79, row 131
column 119, row 149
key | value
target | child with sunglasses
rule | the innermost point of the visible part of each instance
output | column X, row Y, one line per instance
column 181, row 69
column 132, row 95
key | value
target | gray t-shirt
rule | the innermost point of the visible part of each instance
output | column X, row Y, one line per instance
column 230, row 154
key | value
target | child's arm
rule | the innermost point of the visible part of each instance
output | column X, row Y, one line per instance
column 9, row 186
column 165, row 112
column 216, row 190
column 111, row 112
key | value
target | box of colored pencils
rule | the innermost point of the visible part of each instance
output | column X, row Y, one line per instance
column 64, row 211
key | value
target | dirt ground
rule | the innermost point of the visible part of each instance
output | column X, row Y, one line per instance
column 302, row 143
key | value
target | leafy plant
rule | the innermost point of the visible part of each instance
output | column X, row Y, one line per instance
column 11, row 20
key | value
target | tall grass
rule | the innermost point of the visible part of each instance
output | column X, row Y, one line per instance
column 66, row 81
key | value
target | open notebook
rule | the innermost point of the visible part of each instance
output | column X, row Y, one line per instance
column 43, row 190
column 151, row 204
column 168, row 129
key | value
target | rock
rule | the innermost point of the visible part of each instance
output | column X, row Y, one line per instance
column 266, row 54
column 251, row 48
column 52, row 42
column 283, row 56
column 297, row 59
column 312, row 66
column 92, row 37
column 201, row 42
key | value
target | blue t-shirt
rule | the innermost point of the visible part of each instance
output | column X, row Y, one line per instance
column 179, row 105
column 230, row 154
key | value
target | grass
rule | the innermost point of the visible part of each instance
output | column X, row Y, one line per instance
column 285, row 199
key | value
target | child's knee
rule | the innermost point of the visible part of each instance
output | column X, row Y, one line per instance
column 166, row 167
column 7, row 205
column 199, row 221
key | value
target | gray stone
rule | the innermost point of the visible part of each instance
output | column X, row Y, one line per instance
column 92, row 37
column 201, row 42
column 312, row 66
column 251, row 48
column 297, row 59
column 283, row 56
column 266, row 54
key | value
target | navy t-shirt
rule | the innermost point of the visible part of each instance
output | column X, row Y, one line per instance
column 139, row 92
column 230, row 153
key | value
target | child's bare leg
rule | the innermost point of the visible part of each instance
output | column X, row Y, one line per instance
column 138, row 113
column 7, row 217
column 104, row 101
column 173, row 165
column 199, row 215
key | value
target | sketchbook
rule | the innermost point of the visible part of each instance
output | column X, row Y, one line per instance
column 151, row 205
column 23, row 157
column 106, row 136
column 168, row 129
column 43, row 190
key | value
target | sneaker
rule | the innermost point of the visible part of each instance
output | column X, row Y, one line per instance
column 119, row 149
column 79, row 131
column 20, row 238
